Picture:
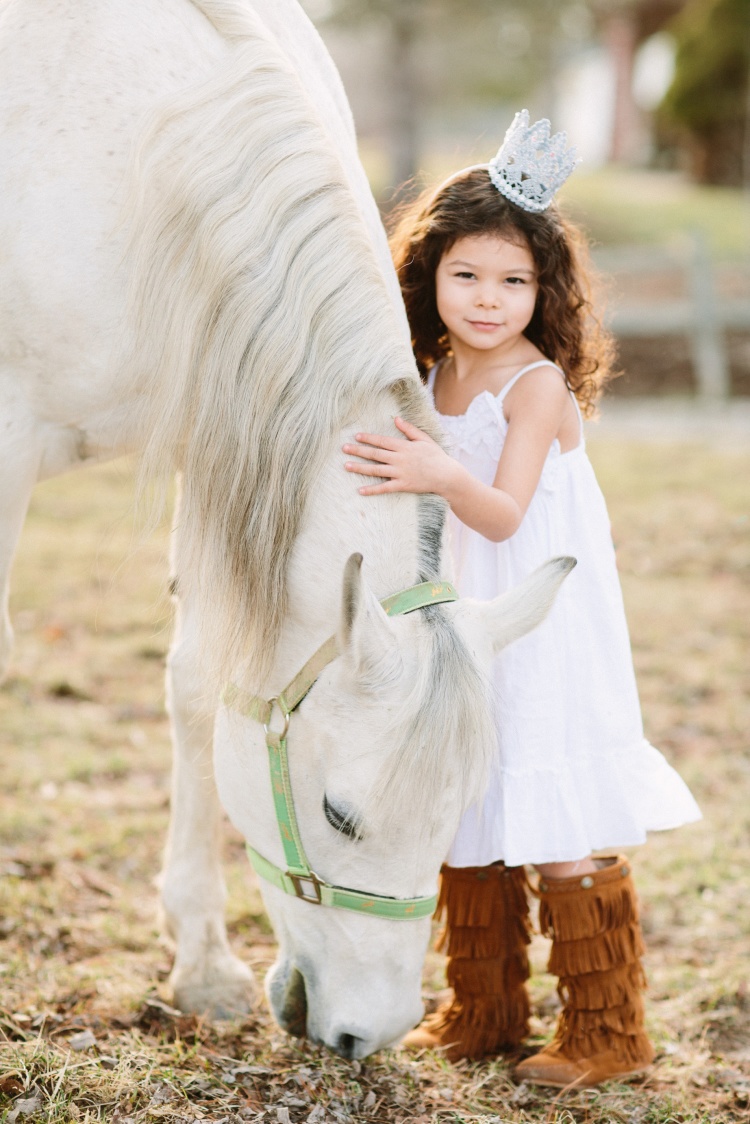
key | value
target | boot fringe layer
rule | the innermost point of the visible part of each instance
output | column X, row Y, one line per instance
column 473, row 1027
column 485, row 942
column 487, row 910
column 568, row 914
column 488, row 977
column 634, row 1050
column 599, row 953
column 625, row 1019
column 596, row 991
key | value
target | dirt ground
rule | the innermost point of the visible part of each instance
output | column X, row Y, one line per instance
column 86, row 1029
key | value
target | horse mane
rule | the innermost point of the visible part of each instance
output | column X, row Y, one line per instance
column 444, row 728
column 262, row 325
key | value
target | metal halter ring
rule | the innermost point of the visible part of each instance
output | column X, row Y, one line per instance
column 285, row 714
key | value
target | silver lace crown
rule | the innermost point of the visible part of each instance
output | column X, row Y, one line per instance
column 531, row 165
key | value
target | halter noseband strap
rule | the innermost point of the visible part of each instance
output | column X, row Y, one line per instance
column 299, row 879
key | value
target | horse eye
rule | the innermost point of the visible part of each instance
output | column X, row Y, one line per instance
column 346, row 824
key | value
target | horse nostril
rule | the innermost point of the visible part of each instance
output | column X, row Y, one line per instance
column 346, row 1045
column 293, row 1015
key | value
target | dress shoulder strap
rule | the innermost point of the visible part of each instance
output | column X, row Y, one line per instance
column 532, row 366
column 524, row 370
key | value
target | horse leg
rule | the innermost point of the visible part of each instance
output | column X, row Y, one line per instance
column 206, row 977
column 19, row 465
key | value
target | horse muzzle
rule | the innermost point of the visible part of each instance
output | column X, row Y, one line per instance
column 300, row 1011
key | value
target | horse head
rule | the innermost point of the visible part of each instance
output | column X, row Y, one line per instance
column 386, row 750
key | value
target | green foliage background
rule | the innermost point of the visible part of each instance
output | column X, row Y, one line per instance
column 708, row 99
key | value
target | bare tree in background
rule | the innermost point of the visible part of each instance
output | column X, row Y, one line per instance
column 444, row 52
column 407, row 24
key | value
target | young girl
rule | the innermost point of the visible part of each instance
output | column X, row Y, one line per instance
column 494, row 281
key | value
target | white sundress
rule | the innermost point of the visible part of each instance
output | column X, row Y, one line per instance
column 573, row 773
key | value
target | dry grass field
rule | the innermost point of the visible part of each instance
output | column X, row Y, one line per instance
column 86, row 1032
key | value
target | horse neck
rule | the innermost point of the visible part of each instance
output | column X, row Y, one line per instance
column 300, row 41
column 262, row 315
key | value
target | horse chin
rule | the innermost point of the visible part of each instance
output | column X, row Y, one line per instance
column 285, row 986
column 352, row 1039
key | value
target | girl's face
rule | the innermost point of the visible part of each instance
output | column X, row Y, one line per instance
column 486, row 289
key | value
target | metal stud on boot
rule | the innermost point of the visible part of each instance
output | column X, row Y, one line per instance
column 596, row 951
column 485, row 937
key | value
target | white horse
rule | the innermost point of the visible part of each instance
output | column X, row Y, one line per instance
column 193, row 267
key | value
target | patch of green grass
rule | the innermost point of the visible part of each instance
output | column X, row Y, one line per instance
column 619, row 205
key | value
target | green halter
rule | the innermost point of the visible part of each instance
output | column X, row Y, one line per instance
column 299, row 879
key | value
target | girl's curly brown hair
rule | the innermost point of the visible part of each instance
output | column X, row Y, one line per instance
column 565, row 326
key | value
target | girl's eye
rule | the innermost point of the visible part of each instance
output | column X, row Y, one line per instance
column 464, row 273
column 516, row 280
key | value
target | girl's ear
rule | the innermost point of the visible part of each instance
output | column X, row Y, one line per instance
column 365, row 635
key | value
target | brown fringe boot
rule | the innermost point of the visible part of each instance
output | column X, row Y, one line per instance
column 486, row 933
column 596, row 950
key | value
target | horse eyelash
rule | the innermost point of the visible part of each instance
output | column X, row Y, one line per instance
column 344, row 824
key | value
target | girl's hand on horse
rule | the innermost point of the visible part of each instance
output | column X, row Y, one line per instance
column 417, row 464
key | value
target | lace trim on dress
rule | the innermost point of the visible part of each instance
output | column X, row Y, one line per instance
column 483, row 424
column 482, row 429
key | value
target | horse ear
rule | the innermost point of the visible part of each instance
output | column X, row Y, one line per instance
column 365, row 636
column 513, row 614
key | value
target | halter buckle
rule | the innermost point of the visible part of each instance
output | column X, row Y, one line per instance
column 285, row 714
column 307, row 887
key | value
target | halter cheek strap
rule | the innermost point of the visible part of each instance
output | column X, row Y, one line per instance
column 299, row 879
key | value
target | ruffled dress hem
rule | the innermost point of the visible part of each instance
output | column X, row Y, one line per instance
column 596, row 804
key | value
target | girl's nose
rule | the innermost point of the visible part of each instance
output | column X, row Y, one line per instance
column 487, row 297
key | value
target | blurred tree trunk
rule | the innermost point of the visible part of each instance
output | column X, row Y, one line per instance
column 403, row 90
column 446, row 52
column 620, row 34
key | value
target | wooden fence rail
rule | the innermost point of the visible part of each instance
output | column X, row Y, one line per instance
column 701, row 313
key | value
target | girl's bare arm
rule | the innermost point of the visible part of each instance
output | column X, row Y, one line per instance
column 535, row 408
